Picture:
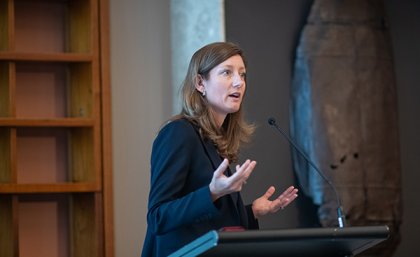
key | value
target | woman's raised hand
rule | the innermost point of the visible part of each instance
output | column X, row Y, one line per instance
column 221, row 184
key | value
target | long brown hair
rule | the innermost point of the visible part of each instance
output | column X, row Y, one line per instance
column 235, row 130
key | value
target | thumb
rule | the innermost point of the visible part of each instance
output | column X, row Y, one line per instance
column 222, row 167
column 270, row 191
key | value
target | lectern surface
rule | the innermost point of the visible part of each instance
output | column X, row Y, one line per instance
column 308, row 242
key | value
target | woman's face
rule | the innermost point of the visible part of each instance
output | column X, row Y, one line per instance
column 225, row 87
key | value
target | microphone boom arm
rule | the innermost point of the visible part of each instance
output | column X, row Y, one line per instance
column 340, row 215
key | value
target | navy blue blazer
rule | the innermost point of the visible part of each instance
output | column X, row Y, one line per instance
column 180, row 207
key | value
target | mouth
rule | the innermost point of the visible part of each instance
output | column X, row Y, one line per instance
column 235, row 95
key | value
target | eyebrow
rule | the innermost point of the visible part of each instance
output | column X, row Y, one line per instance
column 231, row 66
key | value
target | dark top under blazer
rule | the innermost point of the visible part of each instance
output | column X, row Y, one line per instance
column 180, row 207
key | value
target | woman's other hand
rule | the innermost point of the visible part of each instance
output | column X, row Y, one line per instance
column 264, row 205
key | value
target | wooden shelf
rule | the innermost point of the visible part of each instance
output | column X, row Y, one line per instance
column 46, row 57
column 49, row 188
column 55, row 139
column 32, row 122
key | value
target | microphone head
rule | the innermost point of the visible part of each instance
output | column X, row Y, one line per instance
column 271, row 121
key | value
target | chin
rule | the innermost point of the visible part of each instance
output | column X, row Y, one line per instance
column 234, row 110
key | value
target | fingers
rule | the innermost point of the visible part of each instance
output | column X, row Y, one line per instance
column 287, row 201
column 242, row 173
column 216, row 185
column 222, row 167
column 290, row 190
column 287, row 197
column 270, row 191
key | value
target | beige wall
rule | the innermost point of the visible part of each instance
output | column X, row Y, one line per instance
column 141, row 101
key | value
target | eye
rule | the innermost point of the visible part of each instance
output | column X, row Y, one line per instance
column 243, row 75
column 226, row 72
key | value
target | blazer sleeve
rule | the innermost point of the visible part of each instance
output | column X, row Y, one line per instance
column 169, row 207
column 252, row 221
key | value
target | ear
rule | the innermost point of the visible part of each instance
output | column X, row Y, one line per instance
column 199, row 83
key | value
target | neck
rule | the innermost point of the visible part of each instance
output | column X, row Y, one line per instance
column 219, row 118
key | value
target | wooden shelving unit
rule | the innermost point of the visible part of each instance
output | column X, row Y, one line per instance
column 55, row 147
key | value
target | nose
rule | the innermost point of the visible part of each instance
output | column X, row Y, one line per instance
column 238, row 81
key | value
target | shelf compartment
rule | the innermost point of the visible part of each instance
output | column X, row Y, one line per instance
column 82, row 35
column 40, row 26
column 85, row 224
column 53, row 26
column 53, row 90
column 54, row 155
column 4, row 25
column 7, row 146
column 6, row 78
column 51, row 225
column 81, row 90
column 42, row 155
column 43, row 225
column 41, row 90
column 82, row 167
column 8, row 234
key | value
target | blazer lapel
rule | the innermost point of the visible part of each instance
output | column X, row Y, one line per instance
column 212, row 154
column 216, row 160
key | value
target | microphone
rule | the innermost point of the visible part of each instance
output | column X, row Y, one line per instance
column 340, row 215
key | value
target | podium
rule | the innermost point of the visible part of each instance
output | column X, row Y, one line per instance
column 305, row 242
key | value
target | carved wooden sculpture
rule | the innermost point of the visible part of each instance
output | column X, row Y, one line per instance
column 344, row 114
